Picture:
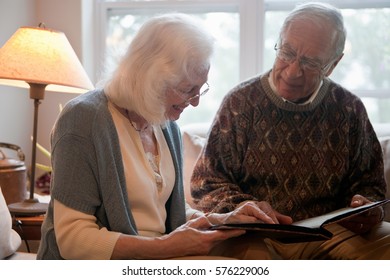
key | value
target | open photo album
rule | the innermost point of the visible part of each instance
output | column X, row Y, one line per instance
column 312, row 229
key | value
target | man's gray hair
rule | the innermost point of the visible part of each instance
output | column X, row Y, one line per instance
column 320, row 13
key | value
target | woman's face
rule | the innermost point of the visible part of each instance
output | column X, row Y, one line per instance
column 186, row 93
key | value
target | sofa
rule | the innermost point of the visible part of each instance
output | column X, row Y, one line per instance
column 10, row 240
column 383, row 133
column 194, row 137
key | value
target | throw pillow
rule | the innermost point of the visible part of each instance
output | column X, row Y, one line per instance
column 192, row 146
column 385, row 143
column 9, row 239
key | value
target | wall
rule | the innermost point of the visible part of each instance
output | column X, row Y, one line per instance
column 66, row 16
column 16, row 108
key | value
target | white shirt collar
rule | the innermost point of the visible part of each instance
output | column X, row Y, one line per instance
column 312, row 97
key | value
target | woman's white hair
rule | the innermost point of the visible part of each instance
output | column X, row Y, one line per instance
column 319, row 14
column 167, row 49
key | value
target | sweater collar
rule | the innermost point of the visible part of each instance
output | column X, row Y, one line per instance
column 308, row 101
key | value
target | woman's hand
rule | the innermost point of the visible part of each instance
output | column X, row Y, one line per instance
column 251, row 211
column 195, row 238
column 192, row 238
column 366, row 221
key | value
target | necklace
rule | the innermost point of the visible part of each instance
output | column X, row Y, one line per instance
column 154, row 161
column 133, row 124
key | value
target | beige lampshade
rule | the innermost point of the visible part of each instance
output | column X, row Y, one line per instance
column 42, row 56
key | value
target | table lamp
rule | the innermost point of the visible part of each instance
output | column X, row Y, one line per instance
column 40, row 59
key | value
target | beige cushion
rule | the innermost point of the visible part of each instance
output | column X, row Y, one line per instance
column 22, row 256
column 194, row 137
column 385, row 143
column 382, row 130
column 9, row 239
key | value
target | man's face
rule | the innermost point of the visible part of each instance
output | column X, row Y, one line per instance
column 309, row 43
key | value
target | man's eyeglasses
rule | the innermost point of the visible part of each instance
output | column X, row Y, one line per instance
column 287, row 55
column 202, row 91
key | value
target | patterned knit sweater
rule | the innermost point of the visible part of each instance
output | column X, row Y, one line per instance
column 305, row 160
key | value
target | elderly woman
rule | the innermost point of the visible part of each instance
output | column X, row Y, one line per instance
column 117, row 160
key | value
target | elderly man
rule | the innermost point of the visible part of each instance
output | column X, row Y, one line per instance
column 298, row 141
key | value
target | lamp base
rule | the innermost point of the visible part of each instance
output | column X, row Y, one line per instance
column 28, row 208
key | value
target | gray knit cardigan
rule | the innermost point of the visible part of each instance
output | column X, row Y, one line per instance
column 88, row 173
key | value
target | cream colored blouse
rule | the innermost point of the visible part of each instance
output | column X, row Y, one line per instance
column 149, row 181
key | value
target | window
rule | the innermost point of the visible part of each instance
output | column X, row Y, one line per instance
column 123, row 21
column 246, row 31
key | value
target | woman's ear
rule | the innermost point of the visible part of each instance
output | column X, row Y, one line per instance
column 334, row 64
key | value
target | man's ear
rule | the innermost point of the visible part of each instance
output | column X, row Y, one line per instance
column 334, row 64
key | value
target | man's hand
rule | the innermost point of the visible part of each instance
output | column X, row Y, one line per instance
column 251, row 211
column 364, row 222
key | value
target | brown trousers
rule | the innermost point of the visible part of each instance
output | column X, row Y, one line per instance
column 345, row 244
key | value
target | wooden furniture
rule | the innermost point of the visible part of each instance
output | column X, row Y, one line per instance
column 28, row 227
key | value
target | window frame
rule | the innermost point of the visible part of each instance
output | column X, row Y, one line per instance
column 250, row 38
column 251, row 12
column 286, row 5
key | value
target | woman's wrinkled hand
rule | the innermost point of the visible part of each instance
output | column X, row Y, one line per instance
column 195, row 238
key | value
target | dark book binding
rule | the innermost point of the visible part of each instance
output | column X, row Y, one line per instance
column 312, row 229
